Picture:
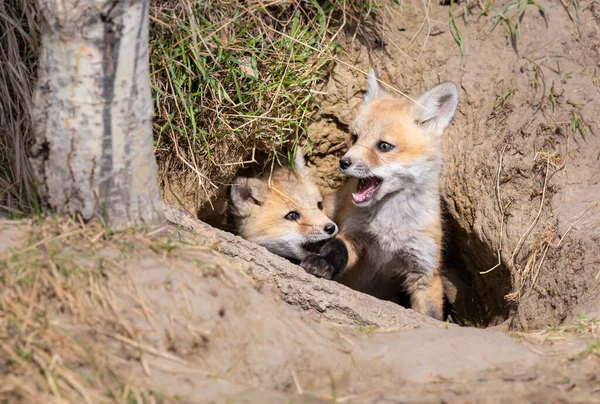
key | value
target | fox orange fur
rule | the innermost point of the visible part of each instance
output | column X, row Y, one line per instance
column 389, row 210
column 282, row 211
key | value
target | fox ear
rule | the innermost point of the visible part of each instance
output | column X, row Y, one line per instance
column 374, row 89
column 438, row 106
column 299, row 163
column 246, row 193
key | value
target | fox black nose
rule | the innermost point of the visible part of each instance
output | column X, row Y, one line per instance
column 345, row 163
column 330, row 228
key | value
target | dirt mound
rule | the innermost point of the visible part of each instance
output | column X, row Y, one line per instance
column 162, row 316
column 521, row 185
column 333, row 301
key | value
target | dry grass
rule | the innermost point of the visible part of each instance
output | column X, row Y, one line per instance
column 54, row 291
column 18, row 57
column 585, row 330
column 233, row 80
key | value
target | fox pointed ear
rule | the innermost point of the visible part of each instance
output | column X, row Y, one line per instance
column 299, row 163
column 374, row 89
column 438, row 106
column 246, row 193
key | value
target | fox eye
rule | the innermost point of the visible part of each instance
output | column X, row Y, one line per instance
column 385, row 147
column 354, row 138
column 292, row 216
column 320, row 205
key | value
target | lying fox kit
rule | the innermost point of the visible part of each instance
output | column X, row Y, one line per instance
column 285, row 215
column 389, row 210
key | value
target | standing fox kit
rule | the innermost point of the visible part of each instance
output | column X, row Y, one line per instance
column 283, row 211
column 388, row 212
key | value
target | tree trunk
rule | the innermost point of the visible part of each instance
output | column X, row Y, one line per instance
column 93, row 152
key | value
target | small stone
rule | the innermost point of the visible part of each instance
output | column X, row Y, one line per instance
column 527, row 377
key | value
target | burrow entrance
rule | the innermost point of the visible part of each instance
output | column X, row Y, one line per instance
column 472, row 298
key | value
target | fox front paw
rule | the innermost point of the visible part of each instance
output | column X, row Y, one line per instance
column 318, row 266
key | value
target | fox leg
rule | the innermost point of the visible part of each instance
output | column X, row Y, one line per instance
column 426, row 294
column 333, row 259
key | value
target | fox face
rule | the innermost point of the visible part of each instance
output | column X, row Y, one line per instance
column 284, row 214
column 397, row 143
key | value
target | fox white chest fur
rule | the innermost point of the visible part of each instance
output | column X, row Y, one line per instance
column 394, row 240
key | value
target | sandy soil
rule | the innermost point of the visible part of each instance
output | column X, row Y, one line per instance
column 173, row 317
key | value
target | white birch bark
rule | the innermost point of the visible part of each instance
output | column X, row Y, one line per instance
column 93, row 151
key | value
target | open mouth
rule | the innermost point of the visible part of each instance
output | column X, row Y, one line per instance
column 314, row 247
column 366, row 189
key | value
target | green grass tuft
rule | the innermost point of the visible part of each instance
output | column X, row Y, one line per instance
column 455, row 31
column 233, row 79
column 512, row 16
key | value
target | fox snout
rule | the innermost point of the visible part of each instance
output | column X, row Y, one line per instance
column 345, row 163
column 354, row 167
column 330, row 228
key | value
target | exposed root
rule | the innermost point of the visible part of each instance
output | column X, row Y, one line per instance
column 516, row 295
column 501, row 208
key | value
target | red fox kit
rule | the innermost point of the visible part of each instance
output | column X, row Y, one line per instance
column 389, row 210
column 285, row 215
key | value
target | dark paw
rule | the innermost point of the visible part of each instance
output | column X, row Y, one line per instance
column 318, row 266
